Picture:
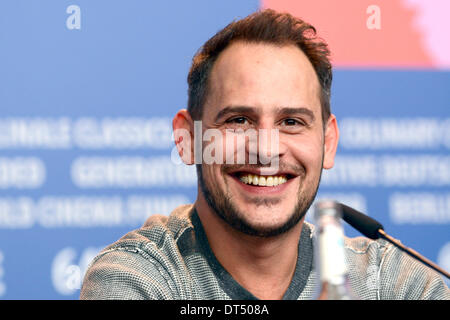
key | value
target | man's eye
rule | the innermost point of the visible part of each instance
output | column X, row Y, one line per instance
column 291, row 122
column 238, row 120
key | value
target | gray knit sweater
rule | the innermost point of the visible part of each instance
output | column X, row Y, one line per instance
column 169, row 258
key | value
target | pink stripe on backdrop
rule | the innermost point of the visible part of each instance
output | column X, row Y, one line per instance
column 412, row 33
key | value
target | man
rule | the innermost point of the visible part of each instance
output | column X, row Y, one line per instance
column 245, row 235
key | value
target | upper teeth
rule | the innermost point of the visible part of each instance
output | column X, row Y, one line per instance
column 269, row 181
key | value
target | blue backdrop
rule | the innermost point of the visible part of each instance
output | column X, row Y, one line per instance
column 87, row 93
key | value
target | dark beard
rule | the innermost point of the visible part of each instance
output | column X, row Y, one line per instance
column 222, row 205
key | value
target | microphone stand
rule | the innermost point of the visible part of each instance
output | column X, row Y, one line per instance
column 413, row 253
column 374, row 230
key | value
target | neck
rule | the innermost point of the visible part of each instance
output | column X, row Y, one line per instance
column 263, row 266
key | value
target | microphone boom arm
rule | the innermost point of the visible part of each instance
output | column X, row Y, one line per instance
column 374, row 230
column 413, row 253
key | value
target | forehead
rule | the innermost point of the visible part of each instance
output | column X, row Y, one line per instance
column 263, row 75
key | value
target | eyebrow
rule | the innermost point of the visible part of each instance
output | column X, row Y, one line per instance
column 252, row 110
column 293, row 111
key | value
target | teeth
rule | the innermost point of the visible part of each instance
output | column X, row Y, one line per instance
column 269, row 181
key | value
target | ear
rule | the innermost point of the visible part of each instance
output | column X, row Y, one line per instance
column 183, row 132
column 331, row 142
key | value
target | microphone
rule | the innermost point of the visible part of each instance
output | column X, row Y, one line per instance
column 374, row 230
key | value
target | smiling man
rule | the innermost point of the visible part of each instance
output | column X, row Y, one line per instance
column 245, row 236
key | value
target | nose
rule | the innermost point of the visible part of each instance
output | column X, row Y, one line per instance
column 268, row 148
column 268, row 145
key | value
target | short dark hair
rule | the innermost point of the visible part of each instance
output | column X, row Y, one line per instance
column 267, row 26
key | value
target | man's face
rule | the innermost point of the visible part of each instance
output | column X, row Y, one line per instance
column 262, row 86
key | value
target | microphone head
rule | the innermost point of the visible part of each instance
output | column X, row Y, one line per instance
column 361, row 222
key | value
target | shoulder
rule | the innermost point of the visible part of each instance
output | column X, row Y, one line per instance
column 382, row 271
column 157, row 238
column 404, row 277
column 143, row 264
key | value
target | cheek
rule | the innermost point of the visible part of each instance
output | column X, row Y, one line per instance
column 223, row 147
column 211, row 170
column 234, row 148
column 307, row 152
column 212, row 177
